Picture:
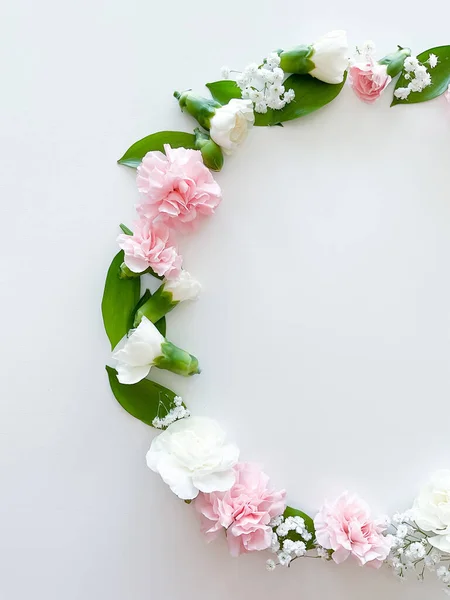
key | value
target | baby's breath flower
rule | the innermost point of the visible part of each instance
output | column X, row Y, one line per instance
column 225, row 72
column 402, row 93
column 270, row 565
column 432, row 60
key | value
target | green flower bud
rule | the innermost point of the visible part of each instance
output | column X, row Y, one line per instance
column 198, row 107
column 394, row 61
column 211, row 152
column 176, row 360
column 297, row 60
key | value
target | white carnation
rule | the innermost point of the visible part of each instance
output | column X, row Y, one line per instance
column 136, row 355
column 330, row 57
column 230, row 124
column 191, row 456
column 431, row 510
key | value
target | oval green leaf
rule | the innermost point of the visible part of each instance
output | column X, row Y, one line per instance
column 310, row 95
column 120, row 297
column 224, row 91
column 144, row 400
column 440, row 77
column 309, row 524
column 135, row 153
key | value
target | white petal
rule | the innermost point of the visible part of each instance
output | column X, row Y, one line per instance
column 215, row 482
column 177, row 478
column 129, row 375
column 441, row 542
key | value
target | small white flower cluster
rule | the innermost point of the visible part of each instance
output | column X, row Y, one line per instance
column 287, row 549
column 174, row 414
column 263, row 84
column 411, row 550
column 417, row 75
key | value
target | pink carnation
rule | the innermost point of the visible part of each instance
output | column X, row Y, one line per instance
column 151, row 245
column 346, row 527
column 245, row 510
column 178, row 188
column 369, row 80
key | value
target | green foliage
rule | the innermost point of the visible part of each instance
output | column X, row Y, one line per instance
column 120, row 297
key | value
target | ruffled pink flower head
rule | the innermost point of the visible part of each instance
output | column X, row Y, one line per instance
column 177, row 187
column 245, row 510
column 368, row 80
column 151, row 245
column 345, row 526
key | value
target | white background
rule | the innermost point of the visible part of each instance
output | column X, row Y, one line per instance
column 323, row 329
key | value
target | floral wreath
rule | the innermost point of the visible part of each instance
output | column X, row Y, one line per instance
column 178, row 190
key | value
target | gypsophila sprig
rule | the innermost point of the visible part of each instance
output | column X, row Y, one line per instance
column 417, row 75
column 263, row 84
column 174, row 414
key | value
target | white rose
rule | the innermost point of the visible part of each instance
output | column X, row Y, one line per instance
column 135, row 357
column 191, row 456
column 330, row 57
column 184, row 287
column 230, row 124
column 431, row 510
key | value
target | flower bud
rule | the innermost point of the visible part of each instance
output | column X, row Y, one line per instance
column 198, row 107
column 326, row 59
column 394, row 62
column 176, row 360
column 146, row 347
column 167, row 296
column 211, row 152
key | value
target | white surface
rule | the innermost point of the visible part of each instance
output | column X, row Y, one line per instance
column 323, row 330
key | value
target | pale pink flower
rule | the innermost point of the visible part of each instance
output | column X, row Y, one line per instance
column 177, row 188
column 368, row 80
column 245, row 510
column 151, row 245
column 345, row 526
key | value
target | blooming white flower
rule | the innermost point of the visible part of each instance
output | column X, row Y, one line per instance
column 184, row 287
column 431, row 510
column 402, row 531
column 411, row 63
column 284, row 558
column 402, row 93
column 330, row 57
column 432, row 60
column 289, row 96
column 191, row 455
column 230, row 124
column 225, row 72
column 136, row 356
column 270, row 565
column 261, row 107
column 273, row 60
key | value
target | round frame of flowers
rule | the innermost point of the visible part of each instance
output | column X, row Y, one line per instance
column 192, row 455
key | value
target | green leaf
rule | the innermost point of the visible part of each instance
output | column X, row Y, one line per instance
column 224, row 91
column 440, row 77
column 120, row 296
column 310, row 95
column 309, row 524
column 161, row 324
column 135, row 153
column 144, row 400
column 125, row 229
